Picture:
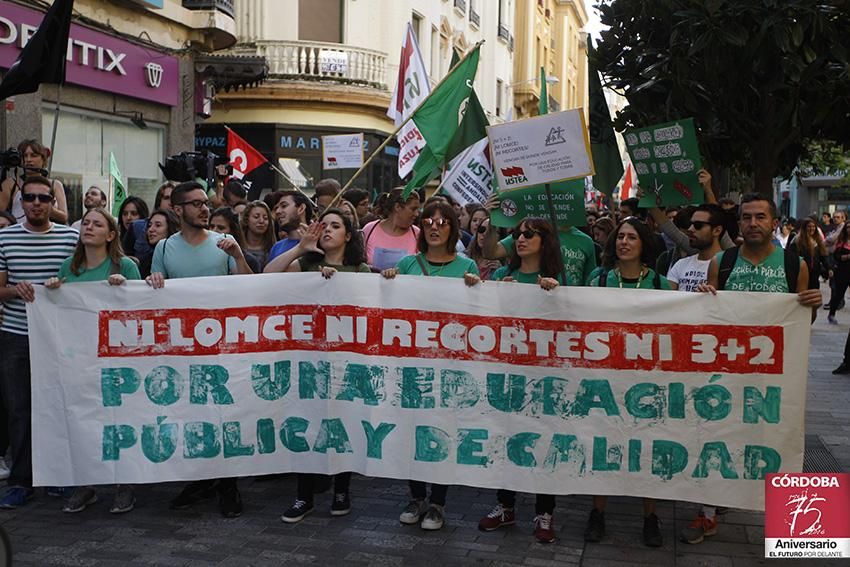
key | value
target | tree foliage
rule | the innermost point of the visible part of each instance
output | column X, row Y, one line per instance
column 758, row 76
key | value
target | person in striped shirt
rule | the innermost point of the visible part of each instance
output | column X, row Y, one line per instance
column 30, row 253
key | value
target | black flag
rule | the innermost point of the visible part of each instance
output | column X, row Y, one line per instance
column 43, row 58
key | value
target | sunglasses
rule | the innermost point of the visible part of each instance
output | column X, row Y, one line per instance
column 439, row 223
column 528, row 234
column 32, row 197
column 700, row 224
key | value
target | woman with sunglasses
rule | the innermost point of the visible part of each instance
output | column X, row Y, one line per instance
column 97, row 257
column 438, row 238
column 537, row 256
column 474, row 251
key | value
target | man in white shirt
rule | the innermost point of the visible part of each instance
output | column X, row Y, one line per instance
column 93, row 199
column 704, row 234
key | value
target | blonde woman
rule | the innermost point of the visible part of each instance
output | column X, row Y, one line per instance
column 258, row 230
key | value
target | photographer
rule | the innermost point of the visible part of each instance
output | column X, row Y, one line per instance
column 33, row 158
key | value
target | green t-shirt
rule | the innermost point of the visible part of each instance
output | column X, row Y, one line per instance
column 521, row 277
column 768, row 276
column 578, row 252
column 127, row 268
column 317, row 267
column 457, row 268
column 631, row 283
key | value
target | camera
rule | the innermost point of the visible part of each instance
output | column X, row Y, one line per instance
column 188, row 166
column 10, row 158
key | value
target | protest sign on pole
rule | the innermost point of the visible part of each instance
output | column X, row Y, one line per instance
column 648, row 393
column 344, row 151
column 469, row 178
column 666, row 159
column 544, row 149
column 567, row 201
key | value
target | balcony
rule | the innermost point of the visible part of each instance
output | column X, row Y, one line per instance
column 225, row 6
column 319, row 61
column 460, row 6
column 474, row 18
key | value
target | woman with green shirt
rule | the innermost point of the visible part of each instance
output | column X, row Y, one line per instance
column 437, row 241
column 97, row 257
column 537, row 256
column 625, row 264
column 626, row 258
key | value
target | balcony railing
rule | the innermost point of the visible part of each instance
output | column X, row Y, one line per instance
column 225, row 6
column 314, row 60
column 460, row 5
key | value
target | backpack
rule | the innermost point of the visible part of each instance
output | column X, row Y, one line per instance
column 603, row 279
column 730, row 256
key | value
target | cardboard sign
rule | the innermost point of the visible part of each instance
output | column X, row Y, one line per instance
column 344, row 151
column 666, row 159
column 567, row 199
column 544, row 149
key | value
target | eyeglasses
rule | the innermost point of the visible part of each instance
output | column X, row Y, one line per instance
column 41, row 197
column 528, row 234
column 700, row 224
column 439, row 223
column 197, row 203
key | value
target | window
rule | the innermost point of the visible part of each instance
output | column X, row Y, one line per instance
column 504, row 19
column 416, row 24
column 320, row 20
column 435, row 52
column 500, row 85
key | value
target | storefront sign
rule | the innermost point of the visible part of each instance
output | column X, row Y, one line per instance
column 95, row 59
column 502, row 385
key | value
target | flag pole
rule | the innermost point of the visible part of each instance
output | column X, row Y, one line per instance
column 55, row 126
column 400, row 126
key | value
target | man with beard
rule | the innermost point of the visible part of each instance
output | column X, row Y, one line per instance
column 704, row 235
column 292, row 212
column 197, row 252
column 30, row 253
column 93, row 199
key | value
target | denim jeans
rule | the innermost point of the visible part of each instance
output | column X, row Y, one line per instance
column 15, row 393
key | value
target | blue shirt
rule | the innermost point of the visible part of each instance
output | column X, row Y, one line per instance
column 176, row 258
column 280, row 247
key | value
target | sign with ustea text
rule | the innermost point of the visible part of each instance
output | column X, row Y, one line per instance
column 501, row 385
column 544, row 149
column 95, row 59
column 343, row 151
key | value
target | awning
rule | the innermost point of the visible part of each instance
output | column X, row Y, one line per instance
column 232, row 71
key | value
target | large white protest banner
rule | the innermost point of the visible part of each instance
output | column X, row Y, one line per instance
column 578, row 390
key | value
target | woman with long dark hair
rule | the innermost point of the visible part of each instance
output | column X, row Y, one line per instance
column 132, row 209
column 841, row 257
column 809, row 245
column 224, row 220
column 537, row 255
column 258, row 228
column 97, row 257
column 394, row 236
column 475, row 252
column 161, row 224
column 438, row 236
column 626, row 259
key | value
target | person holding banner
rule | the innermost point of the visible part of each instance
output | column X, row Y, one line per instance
column 197, row 252
column 97, row 257
column 395, row 236
column 438, row 237
column 626, row 259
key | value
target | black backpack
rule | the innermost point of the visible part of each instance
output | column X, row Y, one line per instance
column 730, row 256
column 603, row 279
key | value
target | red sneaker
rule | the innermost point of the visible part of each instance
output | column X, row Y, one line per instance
column 699, row 529
column 498, row 517
column 544, row 528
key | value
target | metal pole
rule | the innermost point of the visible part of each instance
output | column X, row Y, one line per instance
column 55, row 126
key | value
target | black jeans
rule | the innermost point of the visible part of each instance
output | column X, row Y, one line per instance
column 307, row 483
column 545, row 503
column 16, row 396
column 419, row 492
column 842, row 281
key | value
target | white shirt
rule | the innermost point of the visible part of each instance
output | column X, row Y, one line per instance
column 689, row 272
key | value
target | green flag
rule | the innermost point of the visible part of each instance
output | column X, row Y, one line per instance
column 543, row 107
column 603, row 144
column 439, row 118
column 118, row 191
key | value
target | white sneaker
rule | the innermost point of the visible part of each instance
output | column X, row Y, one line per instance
column 433, row 519
column 4, row 470
column 413, row 512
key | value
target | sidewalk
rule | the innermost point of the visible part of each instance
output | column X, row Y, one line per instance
column 371, row 534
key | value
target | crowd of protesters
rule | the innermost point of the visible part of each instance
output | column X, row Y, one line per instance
column 194, row 232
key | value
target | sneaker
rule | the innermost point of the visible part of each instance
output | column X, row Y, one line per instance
column 652, row 531
column 832, row 320
column 193, row 493
column 341, row 504
column 230, row 502
column 60, row 491
column 82, row 497
column 433, row 519
column 843, row 368
column 16, row 497
column 124, row 500
column 595, row 530
column 296, row 512
column 498, row 517
column 699, row 529
column 4, row 469
column 544, row 528
column 413, row 513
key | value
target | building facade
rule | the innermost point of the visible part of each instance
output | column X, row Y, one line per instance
column 131, row 88
column 332, row 67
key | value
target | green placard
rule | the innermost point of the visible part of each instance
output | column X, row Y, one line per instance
column 567, row 197
column 666, row 159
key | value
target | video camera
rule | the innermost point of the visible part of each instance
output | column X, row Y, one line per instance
column 10, row 159
column 188, row 166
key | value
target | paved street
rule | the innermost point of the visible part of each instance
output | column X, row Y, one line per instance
column 371, row 535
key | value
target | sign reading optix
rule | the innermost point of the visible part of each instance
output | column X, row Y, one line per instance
column 544, row 149
column 419, row 378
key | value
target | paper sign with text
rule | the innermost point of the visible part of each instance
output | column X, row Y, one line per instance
column 500, row 385
column 343, row 151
